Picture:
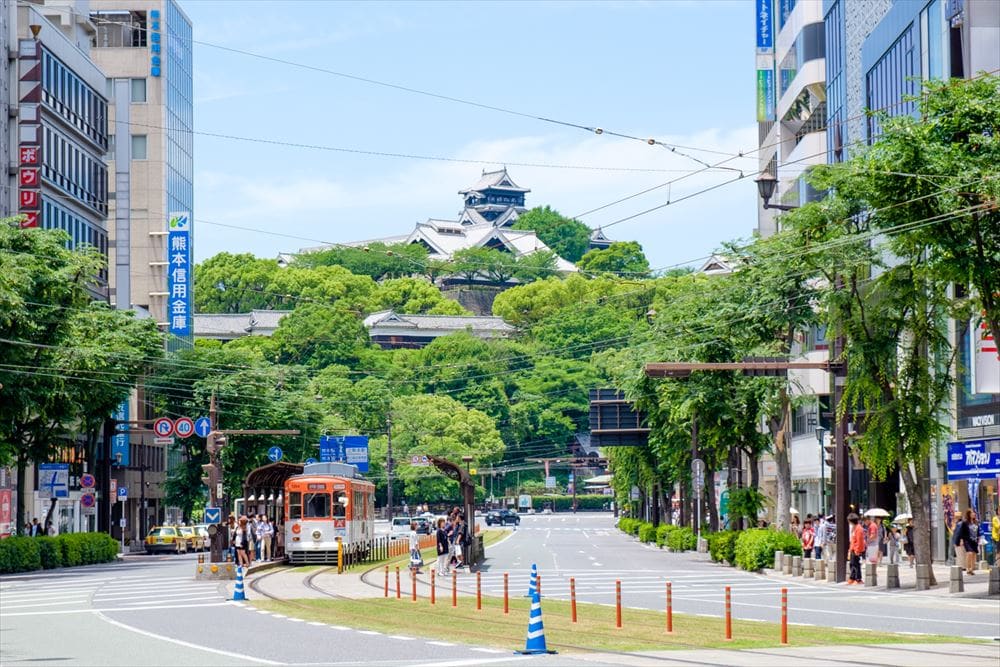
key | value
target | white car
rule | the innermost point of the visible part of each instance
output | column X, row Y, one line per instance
column 400, row 527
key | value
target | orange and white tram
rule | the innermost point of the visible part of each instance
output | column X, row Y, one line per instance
column 327, row 501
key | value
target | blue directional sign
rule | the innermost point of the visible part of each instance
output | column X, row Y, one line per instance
column 213, row 515
column 351, row 449
column 123, row 493
column 202, row 426
column 310, row 461
column 275, row 454
column 54, row 478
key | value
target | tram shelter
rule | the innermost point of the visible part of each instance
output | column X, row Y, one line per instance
column 263, row 493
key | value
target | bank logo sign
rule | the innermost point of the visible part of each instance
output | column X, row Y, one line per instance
column 179, row 276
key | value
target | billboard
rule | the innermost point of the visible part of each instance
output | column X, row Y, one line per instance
column 973, row 459
column 764, row 17
column 765, row 95
column 985, row 360
column 179, row 274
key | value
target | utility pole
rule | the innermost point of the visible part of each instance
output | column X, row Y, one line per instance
column 388, row 467
column 842, row 476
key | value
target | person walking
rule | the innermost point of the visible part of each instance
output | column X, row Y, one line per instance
column 796, row 526
column 808, row 539
column 871, row 539
column 967, row 534
column 50, row 529
column 416, row 558
column 458, row 542
column 36, row 528
column 268, row 530
column 892, row 539
column 243, row 543
column 820, row 540
column 231, row 537
column 858, row 547
column 908, row 542
column 443, row 548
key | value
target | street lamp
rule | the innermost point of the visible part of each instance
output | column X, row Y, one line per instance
column 821, row 439
column 765, row 187
column 468, row 460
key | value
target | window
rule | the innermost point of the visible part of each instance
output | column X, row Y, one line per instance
column 138, row 146
column 317, row 505
column 295, row 505
column 340, row 507
column 138, row 90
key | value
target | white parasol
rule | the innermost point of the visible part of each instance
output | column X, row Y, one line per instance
column 792, row 510
column 902, row 517
column 876, row 511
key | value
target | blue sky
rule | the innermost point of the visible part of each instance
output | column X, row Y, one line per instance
column 680, row 71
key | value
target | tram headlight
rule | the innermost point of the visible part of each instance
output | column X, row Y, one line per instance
column 317, row 534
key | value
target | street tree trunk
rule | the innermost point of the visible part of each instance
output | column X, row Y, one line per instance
column 782, row 458
column 713, row 509
column 917, row 492
column 754, row 463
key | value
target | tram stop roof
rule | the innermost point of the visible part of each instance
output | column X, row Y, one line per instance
column 272, row 476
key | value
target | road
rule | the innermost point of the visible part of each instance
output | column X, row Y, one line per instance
column 589, row 548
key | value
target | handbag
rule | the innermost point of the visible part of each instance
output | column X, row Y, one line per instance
column 416, row 559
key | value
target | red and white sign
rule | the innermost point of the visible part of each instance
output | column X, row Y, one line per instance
column 87, row 481
column 986, row 359
column 30, row 199
column 30, row 219
column 5, row 512
column 184, row 427
column 163, row 427
column 29, row 131
column 114, row 488
column 29, row 177
column 29, row 155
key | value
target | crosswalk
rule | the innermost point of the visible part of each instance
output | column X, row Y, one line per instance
column 41, row 596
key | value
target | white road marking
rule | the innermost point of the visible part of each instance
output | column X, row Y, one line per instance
column 402, row 638
column 440, row 643
column 45, row 604
column 368, row 632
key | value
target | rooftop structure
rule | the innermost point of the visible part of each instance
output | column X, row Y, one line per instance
column 392, row 331
column 230, row 326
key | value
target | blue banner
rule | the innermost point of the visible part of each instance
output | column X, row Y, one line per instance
column 972, row 460
column 351, row 449
column 764, row 15
column 119, row 441
column 179, row 274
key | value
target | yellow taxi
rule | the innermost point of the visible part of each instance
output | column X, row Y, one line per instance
column 195, row 540
column 165, row 538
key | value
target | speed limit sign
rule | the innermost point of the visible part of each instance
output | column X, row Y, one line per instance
column 183, row 427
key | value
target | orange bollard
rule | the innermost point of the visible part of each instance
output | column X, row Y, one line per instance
column 784, row 615
column 670, row 609
column 386, row 581
column 572, row 597
column 398, row 592
column 506, row 607
column 433, row 587
column 538, row 585
column 618, row 603
column 479, row 591
column 413, row 585
column 454, row 588
column 729, row 616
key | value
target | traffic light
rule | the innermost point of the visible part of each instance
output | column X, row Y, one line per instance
column 766, row 372
column 208, row 475
column 830, row 450
column 214, row 443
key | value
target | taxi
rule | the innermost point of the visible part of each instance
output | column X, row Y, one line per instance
column 195, row 540
column 165, row 538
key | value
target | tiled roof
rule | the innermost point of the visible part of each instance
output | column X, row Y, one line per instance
column 227, row 325
column 452, row 322
column 494, row 180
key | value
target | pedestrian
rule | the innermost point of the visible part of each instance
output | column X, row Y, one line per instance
column 967, row 533
column 231, row 535
column 416, row 558
column 458, row 543
column 908, row 542
column 258, row 535
column 892, row 539
column 808, row 539
column 820, row 539
column 796, row 526
column 243, row 542
column 268, row 529
column 858, row 547
column 956, row 541
column 443, row 548
column 871, row 540
column 36, row 528
column 50, row 528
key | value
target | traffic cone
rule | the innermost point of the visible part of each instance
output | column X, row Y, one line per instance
column 535, row 642
column 533, row 583
column 238, row 593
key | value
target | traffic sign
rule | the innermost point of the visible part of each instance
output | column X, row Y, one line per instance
column 122, row 523
column 87, row 500
column 123, row 493
column 213, row 515
column 419, row 461
column 184, row 427
column 698, row 468
column 310, row 461
column 114, row 487
column 55, row 478
column 202, row 426
column 87, row 481
column 163, row 441
column 275, row 454
column 163, row 427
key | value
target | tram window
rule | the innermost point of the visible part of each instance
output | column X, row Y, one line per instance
column 317, row 505
column 294, row 505
column 340, row 506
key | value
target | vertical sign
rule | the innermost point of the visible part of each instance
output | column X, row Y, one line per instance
column 154, row 42
column 179, row 273
column 119, row 441
column 29, row 132
column 764, row 16
column 985, row 360
column 765, row 95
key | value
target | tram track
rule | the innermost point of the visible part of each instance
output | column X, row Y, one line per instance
column 309, row 581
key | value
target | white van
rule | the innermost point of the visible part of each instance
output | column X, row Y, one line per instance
column 400, row 527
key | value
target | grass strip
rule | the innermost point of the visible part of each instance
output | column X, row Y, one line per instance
column 429, row 554
column 643, row 630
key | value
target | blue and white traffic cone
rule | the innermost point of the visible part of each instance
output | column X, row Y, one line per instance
column 238, row 593
column 533, row 582
column 535, row 642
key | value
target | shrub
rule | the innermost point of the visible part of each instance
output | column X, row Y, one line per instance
column 722, row 546
column 23, row 554
column 755, row 547
column 588, row 501
column 681, row 539
column 49, row 552
column 662, row 532
column 647, row 532
column 626, row 525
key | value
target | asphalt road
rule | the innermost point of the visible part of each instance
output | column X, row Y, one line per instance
column 590, row 549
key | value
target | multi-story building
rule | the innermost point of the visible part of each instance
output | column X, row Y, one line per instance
column 791, row 100
column 144, row 47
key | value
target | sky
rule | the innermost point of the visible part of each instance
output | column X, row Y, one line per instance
column 680, row 71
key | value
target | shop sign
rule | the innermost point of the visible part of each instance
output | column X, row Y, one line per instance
column 973, row 459
column 986, row 360
column 764, row 16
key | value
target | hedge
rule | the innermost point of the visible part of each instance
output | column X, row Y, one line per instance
column 647, row 532
column 722, row 546
column 681, row 539
column 755, row 547
column 588, row 501
column 23, row 554
column 629, row 526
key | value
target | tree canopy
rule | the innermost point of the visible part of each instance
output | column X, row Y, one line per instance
column 566, row 237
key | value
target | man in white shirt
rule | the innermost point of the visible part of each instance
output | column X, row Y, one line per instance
column 820, row 537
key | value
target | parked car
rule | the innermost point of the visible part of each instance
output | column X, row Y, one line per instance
column 165, row 538
column 423, row 525
column 502, row 517
column 195, row 542
column 400, row 527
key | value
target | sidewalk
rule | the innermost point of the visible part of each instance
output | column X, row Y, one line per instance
column 976, row 586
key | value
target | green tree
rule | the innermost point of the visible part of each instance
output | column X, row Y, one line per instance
column 623, row 258
column 228, row 283
column 376, row 260
column 414, row 296
column 566, row 237
column 537, row 265
column 66, row 361
column 318, row 336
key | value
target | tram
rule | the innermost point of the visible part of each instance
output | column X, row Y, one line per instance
column 327, row 501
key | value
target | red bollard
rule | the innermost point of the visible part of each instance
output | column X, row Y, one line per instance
column 398, row 587
column 729, row 616
column 413, row 585
column 784, row 615
column 386, row 581
column 618, row 603
column 538, row 585
column 506, row 607
column 479, row 591
column 433, row 587
column 454, row 588
column 572, row 597
column 670, row 609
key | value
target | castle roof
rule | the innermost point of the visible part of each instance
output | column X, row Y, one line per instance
column 494, row 180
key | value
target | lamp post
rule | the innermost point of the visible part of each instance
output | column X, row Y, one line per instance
column 821, row 439
column 765, row 187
